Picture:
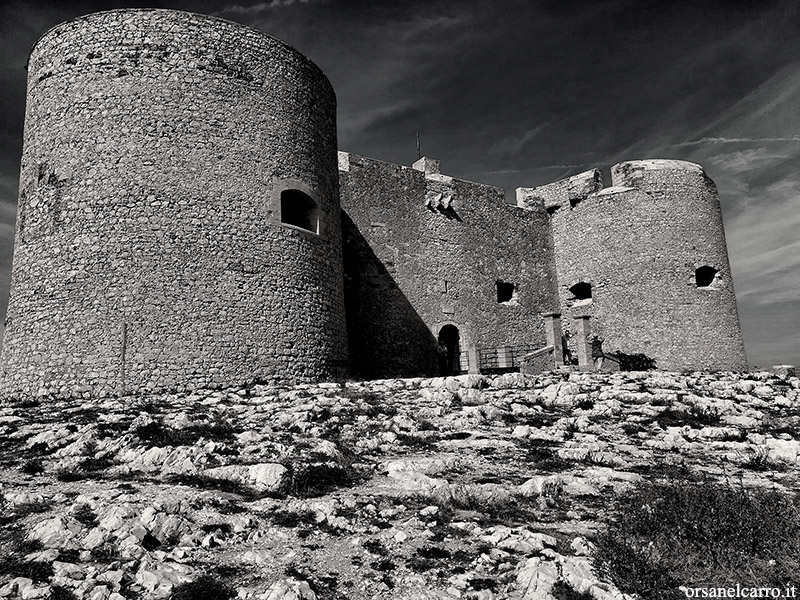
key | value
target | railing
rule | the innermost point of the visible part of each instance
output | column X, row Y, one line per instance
column 503, row 359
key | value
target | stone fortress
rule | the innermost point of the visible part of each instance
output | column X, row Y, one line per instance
column 184, row 222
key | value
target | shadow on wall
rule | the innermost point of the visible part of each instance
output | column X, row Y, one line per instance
column 387, row 337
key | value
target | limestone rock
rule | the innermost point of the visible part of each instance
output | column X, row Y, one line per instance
column 267, row 477
column 289, row 589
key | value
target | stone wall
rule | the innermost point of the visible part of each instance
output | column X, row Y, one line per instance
column 639, row 244
column 149, row 250
column 423, row 251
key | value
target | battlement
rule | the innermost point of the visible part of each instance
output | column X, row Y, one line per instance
column 349, row 161
column 441, row 192
column 559, row 193
column 646, row 174
column 649, row 175
column 428, row 165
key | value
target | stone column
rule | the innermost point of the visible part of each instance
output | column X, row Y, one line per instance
column 582, row 342
column 474, row 367
column 552, row 328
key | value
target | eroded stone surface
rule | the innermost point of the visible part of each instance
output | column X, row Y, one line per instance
column 395, row 488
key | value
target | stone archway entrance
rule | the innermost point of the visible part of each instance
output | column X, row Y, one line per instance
column 449, row 361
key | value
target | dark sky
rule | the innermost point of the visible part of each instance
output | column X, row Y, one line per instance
column 519, row 93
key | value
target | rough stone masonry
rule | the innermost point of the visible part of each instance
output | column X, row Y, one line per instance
column 179, row 226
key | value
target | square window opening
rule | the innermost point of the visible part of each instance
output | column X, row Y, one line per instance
column 299, row 210
column 506, row 292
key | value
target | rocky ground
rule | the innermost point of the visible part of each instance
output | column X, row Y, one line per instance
column 466, row 487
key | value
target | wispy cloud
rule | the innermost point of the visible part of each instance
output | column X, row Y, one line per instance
column 260, row 7
column 518, row 143
column 764, row 247
column 548, row 167
column 723, row 140
column 745, row 160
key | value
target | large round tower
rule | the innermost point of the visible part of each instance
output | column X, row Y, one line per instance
column 178, row 222
column 647, row 259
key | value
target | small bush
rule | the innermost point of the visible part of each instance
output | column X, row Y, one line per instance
column 416, row 440
column 69, row 475
column 632, row 428
column 218, row 430
column 31, row 508
column 323, row 586
column 14, row 541
column 291, row 518
column 226, row 571
column 221, row 528
column 87, row 468
column 564, row 591
column 105, row 553
column 309, row 480
column 106, row 430
column 69, row 555
column 696, row 417
column 85, row 515
column 205, row 587
column 206, row 482
column 483, row 583
column 740, row 435
column 17, row 567
column 759, row 460
column 699, row 534
column 59, row 592
column 543, row 457
column 94, row 465
column 159, row 435
column 376, row 547
column 634, row 362
column 506, row 510
column 32, row 467
column 383, row 565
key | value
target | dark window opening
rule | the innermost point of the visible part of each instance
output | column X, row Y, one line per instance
column 505, row 291
column 449, row 351
column 704, row 276
column 300, row 210
column 581, row 290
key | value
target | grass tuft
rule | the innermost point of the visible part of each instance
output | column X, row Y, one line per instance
column 564, row 591
column 700, row 534
column 205, row 587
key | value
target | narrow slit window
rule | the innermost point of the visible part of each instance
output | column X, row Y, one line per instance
column 704, row 276
column 300, row 210
column 505, row 291
column 581, row 290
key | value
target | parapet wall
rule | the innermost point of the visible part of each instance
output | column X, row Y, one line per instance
column 423, row 251
column 150, row 252
column 657, row 174
column 563, row 192
column 639, row 244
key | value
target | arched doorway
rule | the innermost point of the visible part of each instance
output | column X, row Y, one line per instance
column 449, row 351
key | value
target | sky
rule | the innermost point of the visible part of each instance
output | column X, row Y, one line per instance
column 519, row 93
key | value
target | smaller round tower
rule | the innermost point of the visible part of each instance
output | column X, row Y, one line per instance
column 647, row 259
